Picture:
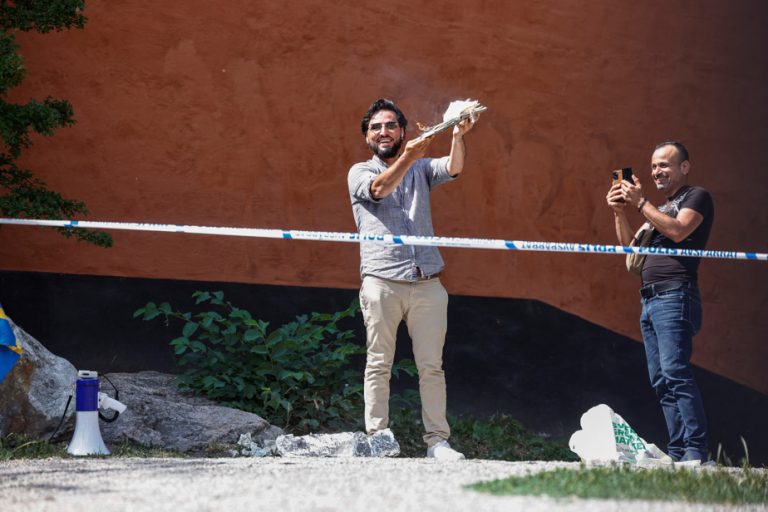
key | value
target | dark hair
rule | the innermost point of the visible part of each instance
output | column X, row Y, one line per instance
column 681, row 150
column 383, row 104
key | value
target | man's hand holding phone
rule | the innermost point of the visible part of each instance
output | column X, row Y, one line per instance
column 622, row 178
column 615, row 198
column 632, row 192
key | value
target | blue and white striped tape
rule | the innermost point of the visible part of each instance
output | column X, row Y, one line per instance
column 435, row 241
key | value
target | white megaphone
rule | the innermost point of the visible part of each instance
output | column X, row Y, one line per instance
column 87, row 437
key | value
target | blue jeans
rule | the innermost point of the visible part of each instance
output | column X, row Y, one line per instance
column 669, row 320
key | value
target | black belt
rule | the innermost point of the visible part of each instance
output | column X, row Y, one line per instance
column 427, row 278
column 650, row 290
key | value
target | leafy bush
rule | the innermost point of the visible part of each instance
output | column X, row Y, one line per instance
column 499, row 437
column 502, row 437
column 298, row 375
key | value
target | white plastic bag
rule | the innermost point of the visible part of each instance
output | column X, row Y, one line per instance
column 605, row 437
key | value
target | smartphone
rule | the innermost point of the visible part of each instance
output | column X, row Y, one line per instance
column 625, row 173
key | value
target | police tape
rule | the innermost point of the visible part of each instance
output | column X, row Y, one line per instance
column 433, row 241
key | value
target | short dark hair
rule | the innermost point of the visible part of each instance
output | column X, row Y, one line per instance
column 383, row 104
column 681, row 150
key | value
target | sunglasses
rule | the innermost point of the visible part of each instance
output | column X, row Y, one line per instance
column 376, row 127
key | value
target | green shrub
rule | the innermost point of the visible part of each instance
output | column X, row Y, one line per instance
column 501, row 437
column 498, row 437
column 298, row 375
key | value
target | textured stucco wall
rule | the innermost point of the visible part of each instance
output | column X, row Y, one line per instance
column 246, row 113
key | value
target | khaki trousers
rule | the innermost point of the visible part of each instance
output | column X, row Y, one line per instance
column 424, row 307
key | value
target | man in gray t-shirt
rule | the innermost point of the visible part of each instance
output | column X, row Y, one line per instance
column 390, row 195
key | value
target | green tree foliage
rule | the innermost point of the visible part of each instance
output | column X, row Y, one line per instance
column 21, row 193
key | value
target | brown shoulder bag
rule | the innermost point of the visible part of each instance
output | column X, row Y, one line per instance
column 641, row 239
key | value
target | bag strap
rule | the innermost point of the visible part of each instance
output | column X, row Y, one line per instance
column 643, row 234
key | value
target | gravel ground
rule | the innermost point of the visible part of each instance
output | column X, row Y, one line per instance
column 282, row 485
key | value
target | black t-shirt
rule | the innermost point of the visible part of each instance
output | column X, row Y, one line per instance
column 662, row 268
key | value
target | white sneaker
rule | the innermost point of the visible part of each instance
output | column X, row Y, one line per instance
column 443, row 451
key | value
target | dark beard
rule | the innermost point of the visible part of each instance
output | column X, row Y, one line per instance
column 386, row 153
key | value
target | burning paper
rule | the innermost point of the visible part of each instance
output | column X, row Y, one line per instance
column 457, row 111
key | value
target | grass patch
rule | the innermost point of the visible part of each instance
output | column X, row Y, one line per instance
column 499, row 437
column 19, row 446
column 129, row 449
column 716, row 486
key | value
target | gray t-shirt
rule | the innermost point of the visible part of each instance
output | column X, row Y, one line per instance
column 406, row 211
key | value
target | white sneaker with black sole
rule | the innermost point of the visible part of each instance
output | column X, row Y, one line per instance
column 443, row 451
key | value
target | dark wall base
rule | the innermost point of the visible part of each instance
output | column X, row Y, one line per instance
column 522, row 357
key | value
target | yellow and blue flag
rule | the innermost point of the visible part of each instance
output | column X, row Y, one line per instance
column 10, row 349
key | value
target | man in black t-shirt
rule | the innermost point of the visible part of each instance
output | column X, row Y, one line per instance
column 671, row 302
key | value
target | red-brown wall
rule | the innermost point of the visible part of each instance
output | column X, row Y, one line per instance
column 247, row 113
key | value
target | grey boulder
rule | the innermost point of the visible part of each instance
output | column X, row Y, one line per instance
column 160, row 415
column 34, row 394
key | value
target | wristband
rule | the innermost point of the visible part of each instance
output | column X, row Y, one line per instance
column 641, row 204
